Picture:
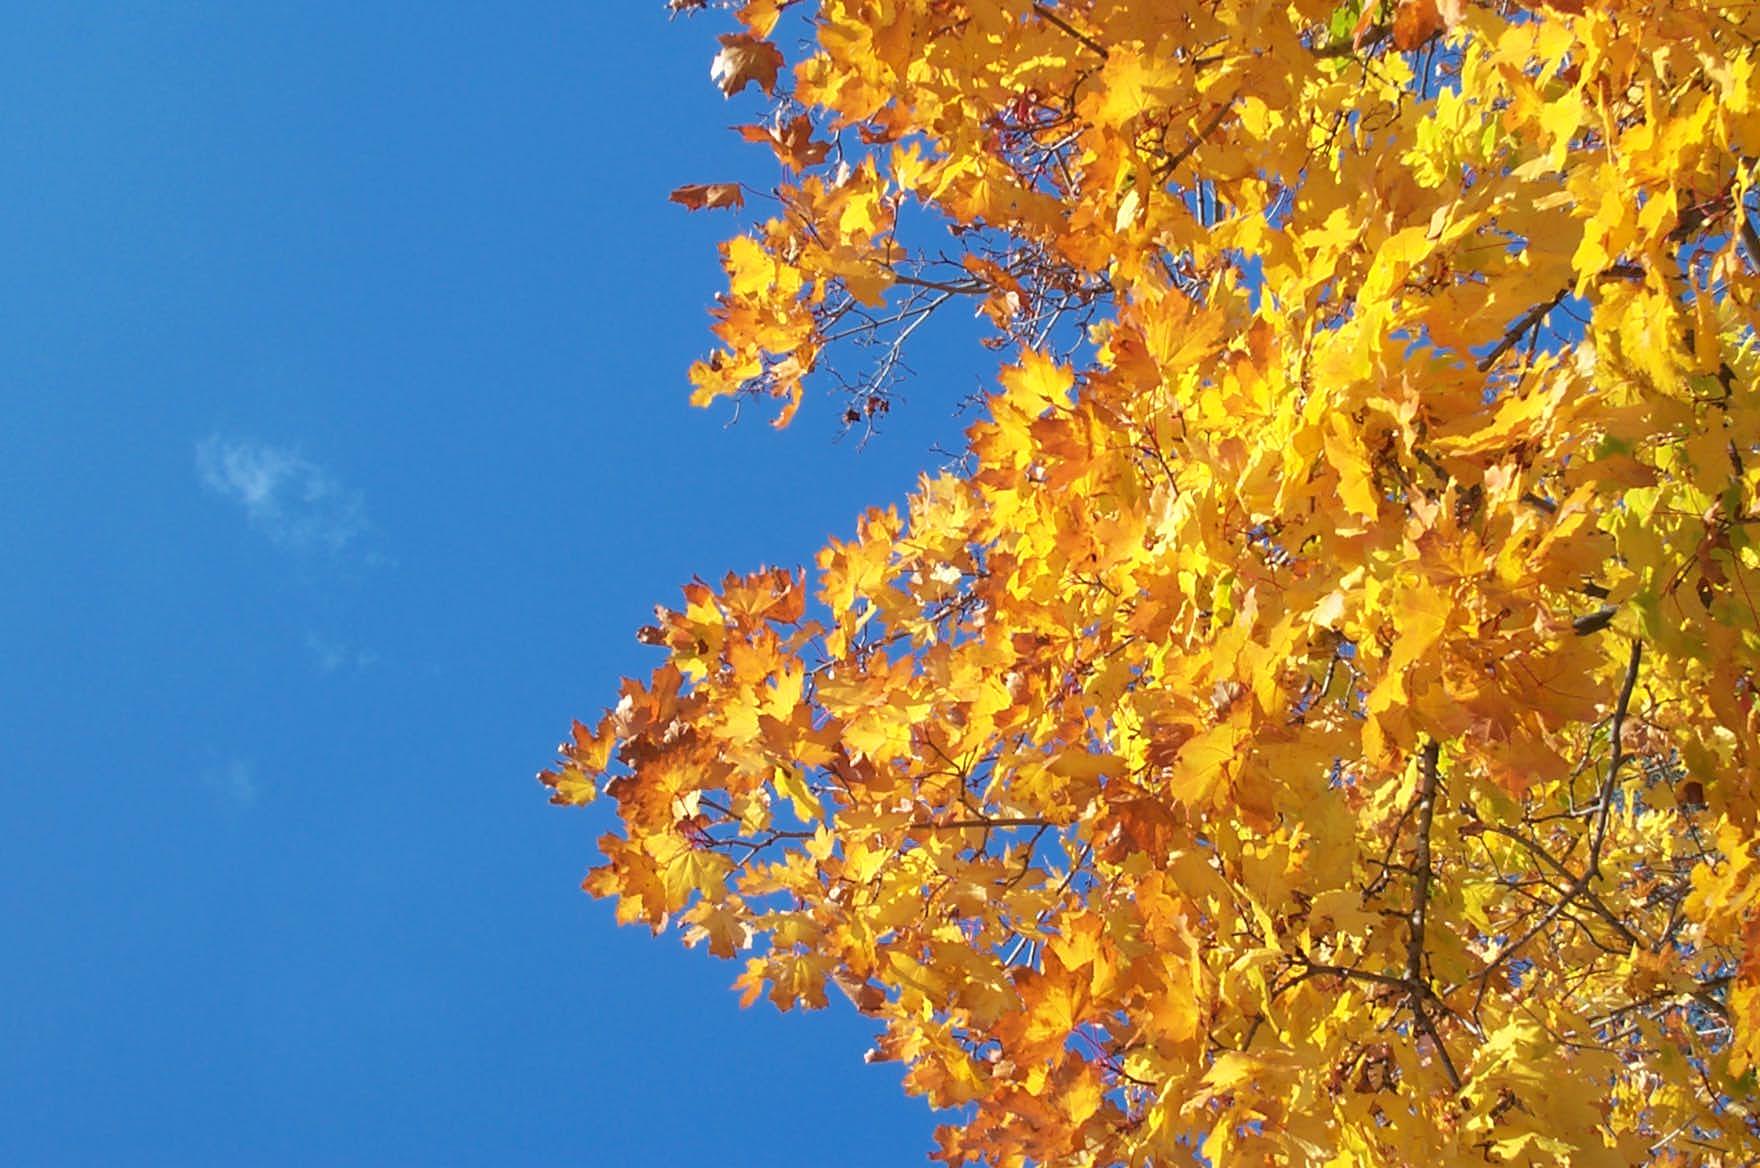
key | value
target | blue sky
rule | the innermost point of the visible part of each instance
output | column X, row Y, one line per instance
column 346, row 445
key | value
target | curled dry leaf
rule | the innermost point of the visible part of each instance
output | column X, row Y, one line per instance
column 708, row 196
column 744, row 59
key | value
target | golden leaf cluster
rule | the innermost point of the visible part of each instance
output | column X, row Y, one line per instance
column 1315, row 725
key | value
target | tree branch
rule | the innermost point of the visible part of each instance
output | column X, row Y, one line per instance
column 1528, row 320
column 1173, row 163
column 1417, row 989
column 1580, row 885
column 1056, row 21
column 1750, row 238
column 1589, row 895
column 1615, row 759
column 999, row 821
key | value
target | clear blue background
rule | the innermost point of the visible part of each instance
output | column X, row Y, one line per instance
column 276, row 884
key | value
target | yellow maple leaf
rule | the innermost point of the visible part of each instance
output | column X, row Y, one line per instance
column 1130, row 86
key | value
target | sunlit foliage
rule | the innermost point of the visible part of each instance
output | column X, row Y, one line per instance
column 1314, row 724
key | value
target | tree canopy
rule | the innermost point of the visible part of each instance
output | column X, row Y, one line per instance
column 1314, row 724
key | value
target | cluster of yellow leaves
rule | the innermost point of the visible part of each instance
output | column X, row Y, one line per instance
column 1320, row 726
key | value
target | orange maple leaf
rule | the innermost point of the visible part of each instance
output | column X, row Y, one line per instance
column 1415, row 22
column 793, row 142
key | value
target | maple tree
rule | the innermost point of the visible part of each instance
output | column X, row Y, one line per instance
column 1315, row 724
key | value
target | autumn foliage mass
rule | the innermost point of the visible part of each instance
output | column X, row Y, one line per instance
column 1315, row 722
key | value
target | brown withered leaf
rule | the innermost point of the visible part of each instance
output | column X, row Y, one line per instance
column 744, row 59
column 792, row 142
column 708, row 196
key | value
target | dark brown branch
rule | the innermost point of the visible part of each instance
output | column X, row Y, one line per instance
column 1750, row 237
column 1603, row 811
column 1056, row 21
column 1528, row 320
column 1000, row 821
column 1172, row 164
column 1421, row 860
column 1528, row 324
column 1417, row 989
column 962, row 287
column 1388, row 867
column 1410, row 983
column 1615, row 759
column 1589, row 895
column 1320, row 969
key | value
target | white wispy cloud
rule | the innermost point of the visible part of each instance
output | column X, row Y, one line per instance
column 293, row 501
column 332, row 656
column 235, row 780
